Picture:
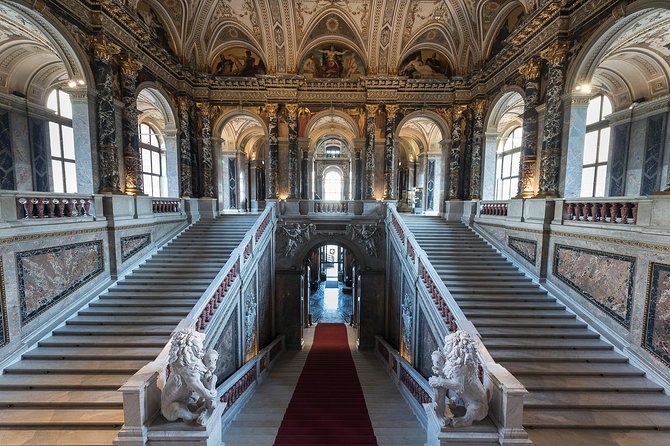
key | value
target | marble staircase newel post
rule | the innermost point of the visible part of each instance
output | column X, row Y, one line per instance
column 131, row 144
column 292, row 121
column 186, row 179
column 455, row 170
column 272, row 166
column 477, row 147
column 528, row 159
column 205, row 138
column 103, row 50
column 369, row 188
column 390, row 153
column 550, row 158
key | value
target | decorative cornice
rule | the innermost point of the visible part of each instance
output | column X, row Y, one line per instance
column 130, row 66
column 556, row 53
column 530, row 70
column 103, row 49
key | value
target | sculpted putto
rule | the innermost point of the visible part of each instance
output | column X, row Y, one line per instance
column 456, row 369
column 190, row 390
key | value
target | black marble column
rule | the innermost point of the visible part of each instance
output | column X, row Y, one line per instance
column 528, row 161
column 131, row 142
column 475, row 190
column 390, row 154
column 186, row 179
column 550, row 157
column 358, row 169
column 39, row 150
column 272, row 164
column 103, row 50
column 455, row 169
column 369, row 188
column 304, row 165
column 205, row 143
column 6, row 154
column 292, row 121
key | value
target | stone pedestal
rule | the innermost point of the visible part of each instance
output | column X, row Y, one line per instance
column 483, row 433
column 453, row 210
column 178, row 433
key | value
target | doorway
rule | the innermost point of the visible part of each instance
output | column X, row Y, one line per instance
column 330, row 286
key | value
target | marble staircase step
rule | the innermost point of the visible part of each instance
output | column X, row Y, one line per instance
column 92, row 353
column 502, row 290
column 62, row 417
column 121, row 302
column 591, row 383
column 527, row 322
column 535, row 368
column 515, row 313
column 532, row 343
column 503, row 299
column 104, row 341
column 601, row 418
column 115, row 330
column 124, row 320
column 483, row 284
column 62, row 381
column 58, row 437
column 547, row 355
column 503, row 305
column 33, row 366
column 61, row 398
column 174, row 294
column 535, row 333
column 597, row 400
column 135, row 311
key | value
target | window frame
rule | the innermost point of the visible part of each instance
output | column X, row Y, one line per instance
column 61, row 161
column 153, row 131
column 501, row 156
column 597, row 127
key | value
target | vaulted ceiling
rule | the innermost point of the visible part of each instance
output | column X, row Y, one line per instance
column 382, row 32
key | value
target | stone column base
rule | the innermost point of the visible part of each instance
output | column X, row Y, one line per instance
column 483, row 433
column 178, row 433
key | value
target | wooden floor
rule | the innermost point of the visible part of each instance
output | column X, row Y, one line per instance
column 392, row 419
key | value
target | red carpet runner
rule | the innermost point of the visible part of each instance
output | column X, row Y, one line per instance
column 327, row 406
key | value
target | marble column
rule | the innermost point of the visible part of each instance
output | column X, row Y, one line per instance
column 103, row 50
column 272, row 165
column 550, row 156
column 476, row 155
column 390, row 154
column 293, row 178
column 528, row 159
column 205, row 142
column 572, row 161
column 171, row 162
column 369, row 186
column 132, row 160
column 304, row 166
column 81, row 128
column 489, row 176
column 186, row 178
column 455, row 170
column 358, row 168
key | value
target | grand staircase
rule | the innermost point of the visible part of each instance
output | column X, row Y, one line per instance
column 64, row 391
column 581, row 392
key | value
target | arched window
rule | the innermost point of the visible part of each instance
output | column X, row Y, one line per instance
column 332, row 186
column 507, row 165
column 61, row 138
column 596, row 147
column 152, row 161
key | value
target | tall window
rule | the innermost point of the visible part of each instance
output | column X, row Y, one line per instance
column 61, row 138
column 332, row 186
column 596, row 147
column 150, row 147
column 507, row 165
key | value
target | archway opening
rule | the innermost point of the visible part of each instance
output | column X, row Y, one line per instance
column 332, row 185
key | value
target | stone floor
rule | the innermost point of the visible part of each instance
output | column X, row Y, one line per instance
column 392, row 419
column 330, row 304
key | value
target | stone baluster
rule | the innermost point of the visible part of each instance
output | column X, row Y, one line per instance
column 390, row 153
column 131, row 143
column 369, row 188
column 528, row 161
column 272, row 166
column 185, row 161
column 103, row 50
column 550, row 161
column 455, row 158
column 292, row 120
column 625, row 208
column 205, row 142
column 477, row 146
column 614, row 212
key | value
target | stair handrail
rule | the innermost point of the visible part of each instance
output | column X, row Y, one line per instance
column 506, row 405
column 141, row 395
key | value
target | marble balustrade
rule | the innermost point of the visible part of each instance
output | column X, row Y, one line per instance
column 329, row 209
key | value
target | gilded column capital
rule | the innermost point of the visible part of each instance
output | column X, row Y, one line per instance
column 530, row 70
column 271, row 109
column 292, row 110
column 371, row 109
column 479, row 105
column 204, row 108
column 458, row 110
column 556, row 53
column 184, row 102
column 103, row 49
column 130, row 66
column 392, row 109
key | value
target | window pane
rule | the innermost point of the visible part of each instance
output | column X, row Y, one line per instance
column 514, row 186
column 155, row 163
column 147, row 184
column 506, row 186
column 70, row 178
column 54, row 139
column 52, row 101
column 57, row 169
column 154, row 140
column 146, row 160
column 517, row 134
column 516, row 158
column 587, row 181
column 65, row 105
column 590, row 147
column 498, row 168
column 603, row 151
column 607, row 106
column 507, row 166
column 68, row 142
column 156, row 186
column 593, row 112
column 499, row 189
column 601, row 176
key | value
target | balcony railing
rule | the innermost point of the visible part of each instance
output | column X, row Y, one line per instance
column 606, row 210
column 497, row 208
column 36, row 206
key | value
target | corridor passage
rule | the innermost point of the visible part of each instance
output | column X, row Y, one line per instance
column 325, row 394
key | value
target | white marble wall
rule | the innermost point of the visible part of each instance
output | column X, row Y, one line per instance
column 81, row 126
column 489, row 168
column 23, row 173
column 572, row 158
column 635, row 157
column 172, row 163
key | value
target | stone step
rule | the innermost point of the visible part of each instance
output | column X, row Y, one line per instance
column 519, row 313
column 502, row 291
column 115, row 330
column 124, row 294
column 119, row 302
column 597, row 400
column 92, row 399
column 34, row 366
column 484, row 284
column 124, row 320
column 535, row 333
column 162, row 281
column 519, row 369
column 168, row 288
column 55, row 381
column 93, row 353
column 504, row 299
column 58, row 437
column 531, row 343
column 64, row 418
column 135, row 311
column 104, row 341
column 576, row 356
column 591, row 383
column 503, row 305
column 526, row 322
column 600, row 418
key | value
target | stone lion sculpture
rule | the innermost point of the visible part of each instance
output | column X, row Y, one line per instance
column 456, row 368
column 190, row 390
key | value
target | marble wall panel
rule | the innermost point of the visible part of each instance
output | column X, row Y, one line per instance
column 527, row 249
column 133, row 244
column 618, row 160
column 656, row 338
column 39, row 136
column 265, row 274
column 427, row 345
column 46, row 275
column 4, row 326
column 228, row 349
column 605, row 279
column 6, row 155
column 653, row 155
column 394, row 302
column 408, row 318
column 250, row 319
column 430, row 186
